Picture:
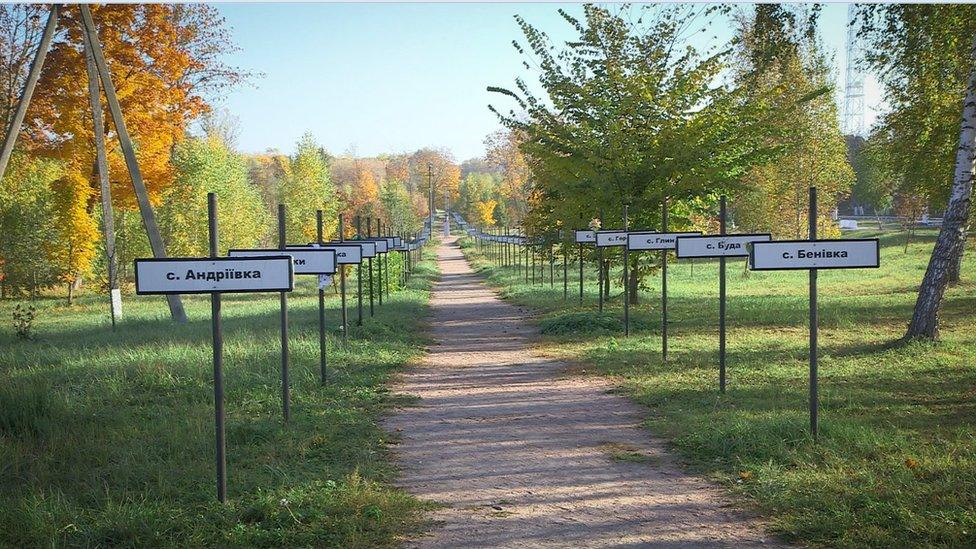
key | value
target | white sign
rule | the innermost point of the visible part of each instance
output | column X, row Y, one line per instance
column 382, row 246
column 815, row 254
column 346, row 254
column 584, row 237
column 646, row 240
column 611, row 238
column 724, row 245
column 307, row 261
column 199, row 275
column 369, row 248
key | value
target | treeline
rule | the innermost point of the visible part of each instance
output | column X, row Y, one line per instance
column 639, row 110
column 51, row 230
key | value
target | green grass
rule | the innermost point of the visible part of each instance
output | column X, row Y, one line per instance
column 895, row 464
column 106, row 439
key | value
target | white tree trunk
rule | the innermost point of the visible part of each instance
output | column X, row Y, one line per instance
column 952, row 236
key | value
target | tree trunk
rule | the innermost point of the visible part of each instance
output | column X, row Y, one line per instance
column 954, row 267
column 952, row 236
column 606, row 280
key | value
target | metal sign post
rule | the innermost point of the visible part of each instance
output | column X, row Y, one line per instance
column 217, row 329
column 664, row 285
column 359, row 275
column 285, row 386
column 369, row 233
column 581, row 237
column 813, row 255
column 379, row 262
column 323, row 366
column 665, row 242
column 722, row 246
column 342, row 284
column 626, row 282
column 215, row 275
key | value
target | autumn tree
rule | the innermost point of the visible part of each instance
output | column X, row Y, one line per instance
column 504, row 154
column 27, row 225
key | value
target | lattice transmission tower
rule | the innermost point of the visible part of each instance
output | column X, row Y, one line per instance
column 854, row 81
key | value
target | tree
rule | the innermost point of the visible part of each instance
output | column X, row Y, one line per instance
column 504, row 154
column 632, row 114
column 27, row 224
column 205, row 165
column 307, row 190
column 781, row 61
column 925, row 56
column 486, row 212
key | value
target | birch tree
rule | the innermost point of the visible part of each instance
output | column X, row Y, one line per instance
column 925, row 56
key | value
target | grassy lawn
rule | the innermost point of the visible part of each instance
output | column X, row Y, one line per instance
column 895, row 465
column 106, row 439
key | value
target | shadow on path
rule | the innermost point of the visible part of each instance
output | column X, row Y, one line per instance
column 520, row 455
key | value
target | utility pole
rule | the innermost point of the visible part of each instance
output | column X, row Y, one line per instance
column 430, row 184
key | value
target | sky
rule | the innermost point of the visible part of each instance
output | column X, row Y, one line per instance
column 375, row 78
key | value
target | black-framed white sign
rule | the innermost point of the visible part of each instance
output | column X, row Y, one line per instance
column 606, row 239
column 649, row 240
column 583, row 236
column 853, row 253
column 307, row 261
column 346, row 253
column 382, row 246
column 725, row 245
column 204, row 275
column 368, row 247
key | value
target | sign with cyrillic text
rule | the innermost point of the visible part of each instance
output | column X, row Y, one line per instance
column 862, row 253
column 725, row 245
column 605, row 239
column 307, row 261
column 199, row 275
column 584, row 237
column 346, row 254
column 646, row 240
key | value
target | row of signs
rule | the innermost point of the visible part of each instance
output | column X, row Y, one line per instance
column 260, row 270
column 762, row 251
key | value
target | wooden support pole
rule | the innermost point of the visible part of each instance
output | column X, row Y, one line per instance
column 125, row 142
column 101, row 168
column 13, row 129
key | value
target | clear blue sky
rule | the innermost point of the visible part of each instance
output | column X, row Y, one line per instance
column 374, row 78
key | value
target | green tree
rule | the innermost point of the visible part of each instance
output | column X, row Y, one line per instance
column 308, row 189
column 781, row 63
column 925, row 56
column 632, row 113
column 28, row 231
column 205, row 165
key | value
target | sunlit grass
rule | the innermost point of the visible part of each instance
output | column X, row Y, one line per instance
column 895, row 464
column 106, row 438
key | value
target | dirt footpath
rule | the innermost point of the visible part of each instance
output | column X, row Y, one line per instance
column 521, row 455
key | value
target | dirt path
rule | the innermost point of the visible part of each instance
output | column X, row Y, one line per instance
column 521, row 455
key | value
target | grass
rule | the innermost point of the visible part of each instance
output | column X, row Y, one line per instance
column 895, row 464
column 106, row 439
